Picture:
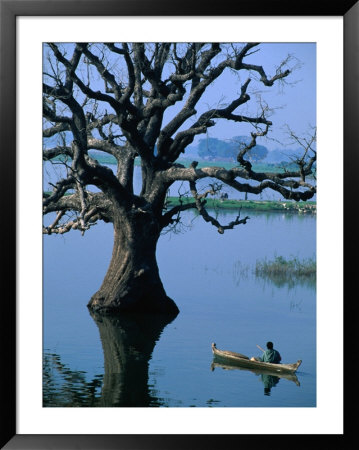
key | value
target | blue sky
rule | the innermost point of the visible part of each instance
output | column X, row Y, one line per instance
column 293, row 103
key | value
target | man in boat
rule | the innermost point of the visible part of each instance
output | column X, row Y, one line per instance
column 270, row 355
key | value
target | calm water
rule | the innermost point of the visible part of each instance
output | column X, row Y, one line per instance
column 141, row 361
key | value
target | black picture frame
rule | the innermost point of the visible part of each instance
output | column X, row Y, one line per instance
column 9, row 10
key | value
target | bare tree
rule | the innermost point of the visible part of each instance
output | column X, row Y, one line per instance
column 115, row 98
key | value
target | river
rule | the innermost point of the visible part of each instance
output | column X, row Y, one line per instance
column 142, row 361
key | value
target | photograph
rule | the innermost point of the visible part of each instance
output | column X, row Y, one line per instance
column 176, row 247
column 180, row 207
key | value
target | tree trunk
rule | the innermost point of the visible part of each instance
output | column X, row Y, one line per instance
column 132, row 282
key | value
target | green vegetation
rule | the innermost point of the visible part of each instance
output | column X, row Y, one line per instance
column 284, row 268
column 256, row 166
column 226, row 204
column 104, row 158
column 280, row 272
column 213, row 203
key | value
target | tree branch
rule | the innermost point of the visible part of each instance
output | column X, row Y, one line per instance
column 274, row 181
column 207, row 217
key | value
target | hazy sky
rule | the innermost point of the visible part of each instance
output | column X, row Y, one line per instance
column 294, row 102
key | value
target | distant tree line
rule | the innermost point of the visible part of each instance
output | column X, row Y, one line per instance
column 213, row 148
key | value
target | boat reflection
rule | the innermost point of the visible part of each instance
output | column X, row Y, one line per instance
column 268, row 378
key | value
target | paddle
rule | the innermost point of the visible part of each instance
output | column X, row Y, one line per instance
column 260, row 348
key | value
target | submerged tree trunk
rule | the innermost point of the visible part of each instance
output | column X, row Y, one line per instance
column 132, row 282
column 141, row 123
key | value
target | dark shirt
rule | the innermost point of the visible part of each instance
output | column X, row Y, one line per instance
column 271, row 356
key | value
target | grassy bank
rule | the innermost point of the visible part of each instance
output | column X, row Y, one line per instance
column 261, row 166
column 257, row 205
column 299, row 207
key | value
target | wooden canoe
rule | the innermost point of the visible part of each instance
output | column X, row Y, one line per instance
column 244, row 361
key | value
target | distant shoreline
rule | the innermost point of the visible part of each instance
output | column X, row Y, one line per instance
column 259, row 166
column 258, row 205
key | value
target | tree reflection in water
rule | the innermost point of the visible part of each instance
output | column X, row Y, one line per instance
column 128, row 342
column 65, row 387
